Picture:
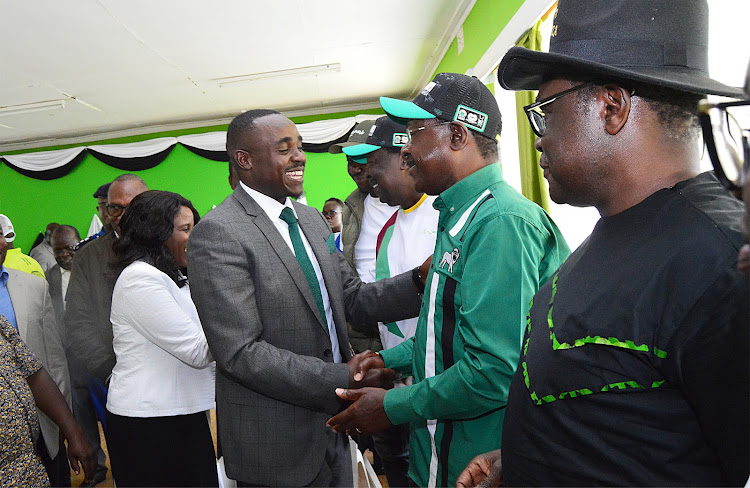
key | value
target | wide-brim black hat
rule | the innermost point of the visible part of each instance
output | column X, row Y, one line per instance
column 658, row 42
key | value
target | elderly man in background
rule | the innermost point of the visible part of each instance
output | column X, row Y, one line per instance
column 64, row 240
column 89, row 299
column 42, row 253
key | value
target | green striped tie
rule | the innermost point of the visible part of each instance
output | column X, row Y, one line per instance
column 303, row 259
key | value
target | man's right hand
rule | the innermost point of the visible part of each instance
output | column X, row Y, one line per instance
column 368, row 369
column 483, row 471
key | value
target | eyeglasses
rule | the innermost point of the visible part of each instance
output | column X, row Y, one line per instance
column 331, row 213
column 728, row 144
column 536, row 114
column 410, row 132
column 115, row 210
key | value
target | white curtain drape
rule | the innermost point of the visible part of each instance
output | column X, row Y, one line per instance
column 319, row 132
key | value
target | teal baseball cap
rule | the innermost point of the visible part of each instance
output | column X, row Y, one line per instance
column 384, row 133
column 451, row 97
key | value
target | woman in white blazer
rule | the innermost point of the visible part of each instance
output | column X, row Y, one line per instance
column 163, row 381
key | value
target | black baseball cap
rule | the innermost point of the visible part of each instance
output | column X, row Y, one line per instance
column 451, row 97
column 358, row 135
column 101, row 192
column 385, row 133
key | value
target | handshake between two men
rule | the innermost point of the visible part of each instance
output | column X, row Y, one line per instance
column 366, row 415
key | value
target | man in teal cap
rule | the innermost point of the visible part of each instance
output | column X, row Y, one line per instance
column 405, row 240
column 494, row 250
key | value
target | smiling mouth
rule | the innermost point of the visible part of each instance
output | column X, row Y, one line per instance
column 296, row 174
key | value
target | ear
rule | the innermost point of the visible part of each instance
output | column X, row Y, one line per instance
column 243, row 159
column 459, row 136
column 616, row 107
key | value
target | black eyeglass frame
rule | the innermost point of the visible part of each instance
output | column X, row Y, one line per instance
column 537, row 120
column 704, row 107
column 114, row 210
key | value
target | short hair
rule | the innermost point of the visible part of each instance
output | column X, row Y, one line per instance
column 146, row 226
column 66, row 229
column 242, row 124
column 334, row 199
column 677, row 111
column 130, row 177
column 487, row 147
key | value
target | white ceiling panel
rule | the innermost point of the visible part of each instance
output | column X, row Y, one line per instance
column 126, row 67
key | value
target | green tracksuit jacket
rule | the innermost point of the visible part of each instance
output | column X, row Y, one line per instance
column 494, row 250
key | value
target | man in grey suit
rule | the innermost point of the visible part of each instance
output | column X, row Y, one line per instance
column 273, row 302
column 26, row 303
column 64, row 239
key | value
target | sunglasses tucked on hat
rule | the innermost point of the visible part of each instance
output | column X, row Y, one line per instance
column 358, row 135
column 658, row 42
column 451, row 97
column 385, row 133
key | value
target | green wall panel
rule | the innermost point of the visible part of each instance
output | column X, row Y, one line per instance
column 31, row 204
column 485, row 22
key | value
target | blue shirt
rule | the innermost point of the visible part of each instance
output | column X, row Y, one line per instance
column 6, row 306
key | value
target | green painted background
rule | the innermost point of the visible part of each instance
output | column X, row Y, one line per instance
column 31, row 204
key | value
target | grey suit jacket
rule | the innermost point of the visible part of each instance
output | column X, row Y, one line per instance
column 38, row 330
column 44, row 256
column 54, row 278
column 89, row 300
column 276, row 380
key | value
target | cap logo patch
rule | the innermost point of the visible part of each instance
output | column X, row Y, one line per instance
column 400, row 139
column 372, row 129
column 427, row 89
column 358, row 131
column 474, row 119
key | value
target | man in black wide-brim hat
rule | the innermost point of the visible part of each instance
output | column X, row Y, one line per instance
column 634, row 367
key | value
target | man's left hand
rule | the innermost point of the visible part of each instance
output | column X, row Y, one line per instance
column 365, row 416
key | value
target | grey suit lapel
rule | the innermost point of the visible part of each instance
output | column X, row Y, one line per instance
column 328, row 267
column 266, row 227
column 18, row 294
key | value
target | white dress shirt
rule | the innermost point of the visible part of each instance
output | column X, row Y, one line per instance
column 64, row 280
column 273, row 209
column 376, row 215
column 163, row 367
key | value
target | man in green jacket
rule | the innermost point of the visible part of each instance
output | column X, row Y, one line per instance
column 494, row 250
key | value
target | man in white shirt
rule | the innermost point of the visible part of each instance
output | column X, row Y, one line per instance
column 63, row 239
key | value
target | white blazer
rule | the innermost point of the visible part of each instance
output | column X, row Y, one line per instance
column 163, row 366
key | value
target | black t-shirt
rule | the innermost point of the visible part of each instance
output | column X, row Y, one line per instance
column 634, row 367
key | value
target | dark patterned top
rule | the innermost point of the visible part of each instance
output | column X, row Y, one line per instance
column 19, row 427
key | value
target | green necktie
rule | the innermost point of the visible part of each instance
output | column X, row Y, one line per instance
column 303, row 259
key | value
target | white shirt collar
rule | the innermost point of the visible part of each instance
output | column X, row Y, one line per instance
column 271, row 207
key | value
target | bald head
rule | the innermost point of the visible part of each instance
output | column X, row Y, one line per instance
column 121, row 192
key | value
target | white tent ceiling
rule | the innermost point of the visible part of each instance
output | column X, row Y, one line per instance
column 125, row 67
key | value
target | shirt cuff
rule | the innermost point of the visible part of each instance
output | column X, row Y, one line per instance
column 397, row 406
column 397, row 358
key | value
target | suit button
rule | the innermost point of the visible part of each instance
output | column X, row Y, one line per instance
column 328, row 353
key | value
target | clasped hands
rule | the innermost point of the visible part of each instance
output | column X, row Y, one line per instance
column 369, row 381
